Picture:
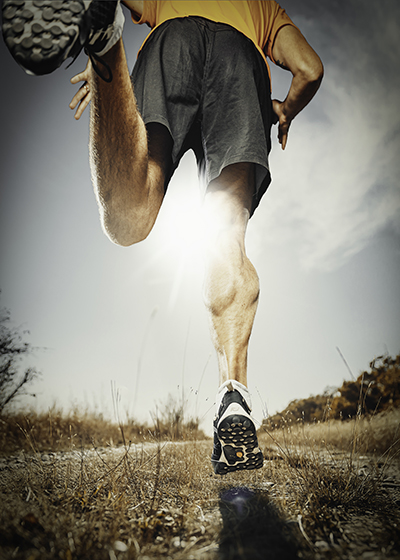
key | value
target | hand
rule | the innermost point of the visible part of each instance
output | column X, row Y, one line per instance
column 83, row 95
column 282, row 119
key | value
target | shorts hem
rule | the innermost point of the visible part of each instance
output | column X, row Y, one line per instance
column 158, row 119
column 238, row 159
column 263, row 176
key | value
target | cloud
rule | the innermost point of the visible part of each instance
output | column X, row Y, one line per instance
column 338, row 184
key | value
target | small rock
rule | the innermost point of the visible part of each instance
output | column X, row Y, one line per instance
column 120, row 546
column 322, row 545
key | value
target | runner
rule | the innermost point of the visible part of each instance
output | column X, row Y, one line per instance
column 201, row 82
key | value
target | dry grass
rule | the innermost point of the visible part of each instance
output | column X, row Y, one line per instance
column 379, row 434
column 56, row 431
column 342, row 471
column 317, row 496
column 144, row 501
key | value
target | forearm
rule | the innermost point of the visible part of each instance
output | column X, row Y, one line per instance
column 301, row 91
column 292, row 52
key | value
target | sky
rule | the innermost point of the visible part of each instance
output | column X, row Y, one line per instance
column 325, row 240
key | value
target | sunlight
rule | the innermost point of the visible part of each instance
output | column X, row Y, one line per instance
column 181, row 239
column 182, row 225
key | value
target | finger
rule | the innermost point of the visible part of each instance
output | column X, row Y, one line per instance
column 280, row 134
column 81, row 77
column 80, row 94
column 75, row 100
column 283, row 134
column 283, row 131
column 84, row 103
column 283, row 140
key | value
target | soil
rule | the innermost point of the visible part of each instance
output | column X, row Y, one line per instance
column 252, row 516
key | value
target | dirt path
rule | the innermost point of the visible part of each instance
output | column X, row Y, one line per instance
column 163, row 501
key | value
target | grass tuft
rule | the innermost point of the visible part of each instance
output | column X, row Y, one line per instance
column 79, row 487
column 56, row 431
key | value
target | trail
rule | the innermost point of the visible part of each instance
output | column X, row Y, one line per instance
column 162, row 500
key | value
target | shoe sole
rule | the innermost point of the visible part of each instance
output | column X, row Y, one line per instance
column 40, row 34
column 238, row 437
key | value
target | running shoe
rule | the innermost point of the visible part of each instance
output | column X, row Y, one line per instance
column 235, row 438
column 42, row 34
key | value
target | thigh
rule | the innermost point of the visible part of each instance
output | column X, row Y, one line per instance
column 229, row 198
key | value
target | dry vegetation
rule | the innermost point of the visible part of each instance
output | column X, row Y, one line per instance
column 373, row 391
column 79, row 487
column 377, row 435
column 74, row 489
column 56, row 431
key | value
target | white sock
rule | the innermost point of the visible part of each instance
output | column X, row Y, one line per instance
column 230, row 385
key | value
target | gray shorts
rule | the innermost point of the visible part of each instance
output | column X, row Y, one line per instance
column 208, row 84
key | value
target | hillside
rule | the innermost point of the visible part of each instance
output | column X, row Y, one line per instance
column 372, row 392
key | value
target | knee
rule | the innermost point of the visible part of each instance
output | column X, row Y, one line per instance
column 125, row 231
column 123, row 240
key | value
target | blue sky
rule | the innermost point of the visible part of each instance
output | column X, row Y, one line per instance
column 325, row 240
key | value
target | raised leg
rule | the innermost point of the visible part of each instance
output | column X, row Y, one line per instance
column 231, row 282
column 128, row 163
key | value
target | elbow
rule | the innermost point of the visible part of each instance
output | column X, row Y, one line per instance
column 310, row 71
column 315, row 72
column 319, row 73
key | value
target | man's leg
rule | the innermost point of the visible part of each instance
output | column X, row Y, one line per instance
column 128, row 170
column 231, row 296
column 128, row 163
column 231, row 285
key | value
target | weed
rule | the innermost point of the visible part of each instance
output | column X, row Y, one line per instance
column 327, row 490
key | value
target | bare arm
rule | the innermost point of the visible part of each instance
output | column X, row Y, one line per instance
column 292, row 52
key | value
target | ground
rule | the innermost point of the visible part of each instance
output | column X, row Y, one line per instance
column 162, row 500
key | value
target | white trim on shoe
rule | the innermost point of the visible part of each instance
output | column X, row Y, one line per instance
column 117, row 29
column 235, row 431
column 231, row 385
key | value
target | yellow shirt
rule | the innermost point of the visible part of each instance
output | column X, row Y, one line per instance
column 258, row 20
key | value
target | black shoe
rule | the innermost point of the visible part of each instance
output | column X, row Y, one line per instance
column 42, row 34
column 235, row 437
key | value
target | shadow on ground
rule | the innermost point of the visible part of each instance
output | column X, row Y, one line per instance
column 252, row 527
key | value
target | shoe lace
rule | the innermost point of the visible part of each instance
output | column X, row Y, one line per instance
column 95, row 58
